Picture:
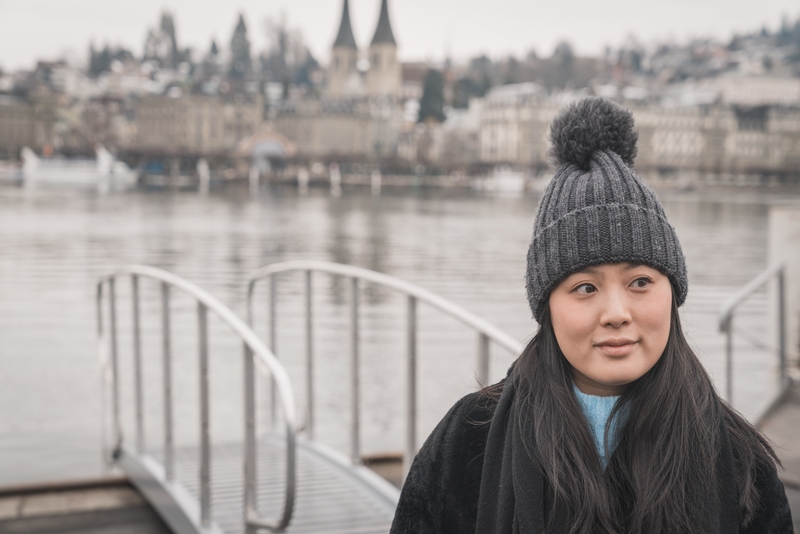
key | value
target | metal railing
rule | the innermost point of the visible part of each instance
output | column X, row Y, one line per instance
column 486, row 333
column 728, row 309
column 256, row 354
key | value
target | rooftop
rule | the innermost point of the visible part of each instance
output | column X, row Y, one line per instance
column 345, row 36
column 383, row 33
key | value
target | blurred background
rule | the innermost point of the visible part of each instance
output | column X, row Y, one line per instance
column 213, row 138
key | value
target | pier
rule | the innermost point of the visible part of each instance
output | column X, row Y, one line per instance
column 278, row 479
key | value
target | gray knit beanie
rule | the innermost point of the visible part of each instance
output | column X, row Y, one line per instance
column 596, row 210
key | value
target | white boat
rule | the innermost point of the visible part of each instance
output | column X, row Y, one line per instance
column 10, row 173
column 503, row 182
column 104, row 173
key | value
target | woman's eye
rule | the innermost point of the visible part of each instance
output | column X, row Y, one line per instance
column 585, row 289
column 641, row 283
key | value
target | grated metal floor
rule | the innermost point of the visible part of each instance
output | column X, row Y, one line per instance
column 331, row 498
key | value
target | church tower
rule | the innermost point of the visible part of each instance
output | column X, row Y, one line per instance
column 384, row 75
column 343, row 77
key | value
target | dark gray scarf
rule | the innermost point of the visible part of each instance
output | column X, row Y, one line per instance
column 513, row 492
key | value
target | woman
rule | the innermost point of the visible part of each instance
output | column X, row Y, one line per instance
column 607, row 422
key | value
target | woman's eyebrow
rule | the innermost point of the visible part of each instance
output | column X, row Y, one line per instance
column 634, row 266
column 593, row 270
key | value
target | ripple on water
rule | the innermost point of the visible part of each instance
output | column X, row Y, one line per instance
column 468, row 249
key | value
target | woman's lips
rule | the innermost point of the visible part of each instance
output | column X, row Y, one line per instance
column 617, row 350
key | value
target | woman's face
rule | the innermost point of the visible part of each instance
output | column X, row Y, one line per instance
column 612, row 322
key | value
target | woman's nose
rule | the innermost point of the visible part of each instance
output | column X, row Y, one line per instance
column 616, row 309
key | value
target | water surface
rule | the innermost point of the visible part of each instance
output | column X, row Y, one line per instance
column 468, row 248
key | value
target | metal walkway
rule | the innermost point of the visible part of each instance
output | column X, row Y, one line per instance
column 332, row 496
column 280, row 482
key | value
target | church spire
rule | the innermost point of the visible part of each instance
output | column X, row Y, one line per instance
column 383, row 33
column 345, row 36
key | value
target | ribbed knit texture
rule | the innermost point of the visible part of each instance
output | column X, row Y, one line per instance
column 603, row 215
column 597, row 410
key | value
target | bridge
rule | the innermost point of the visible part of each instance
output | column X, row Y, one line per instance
column 283, row 481
column 279, row 478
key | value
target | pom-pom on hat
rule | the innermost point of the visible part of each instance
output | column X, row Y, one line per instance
column 596, row 209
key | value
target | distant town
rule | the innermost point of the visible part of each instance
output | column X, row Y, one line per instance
column 725, row 111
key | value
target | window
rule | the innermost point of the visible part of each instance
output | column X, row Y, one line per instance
column 752, row 119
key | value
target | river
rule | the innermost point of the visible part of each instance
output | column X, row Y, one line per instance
column 467, row 247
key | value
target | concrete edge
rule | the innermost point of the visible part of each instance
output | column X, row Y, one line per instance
column 64, row 485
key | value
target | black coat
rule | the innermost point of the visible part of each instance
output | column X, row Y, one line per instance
column 441, row 493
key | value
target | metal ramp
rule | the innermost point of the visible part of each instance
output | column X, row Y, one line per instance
column 332, row 495
column 302, row 486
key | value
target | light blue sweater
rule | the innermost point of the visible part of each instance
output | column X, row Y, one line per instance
column 597, row 411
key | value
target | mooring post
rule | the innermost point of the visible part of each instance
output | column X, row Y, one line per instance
column 375, row 182
column 336, row 180
column 203, row 176
column 254, row 179
column 302, row 180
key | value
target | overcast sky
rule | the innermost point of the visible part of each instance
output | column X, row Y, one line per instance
column 425, row 29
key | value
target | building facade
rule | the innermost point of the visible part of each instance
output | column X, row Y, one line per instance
column 514, row 125
column 26, row 122
column 350, row 128
column 720, row 139
column 16, row 126
column 196, row 124
column 360, row 114
column 717, row 138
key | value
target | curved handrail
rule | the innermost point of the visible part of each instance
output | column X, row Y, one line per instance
column 265, row 360
column 454, row 310
column 487, row 332
column 727, row 308
column 725, row 322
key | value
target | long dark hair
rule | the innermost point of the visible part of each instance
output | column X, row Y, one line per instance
column 664, row 465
